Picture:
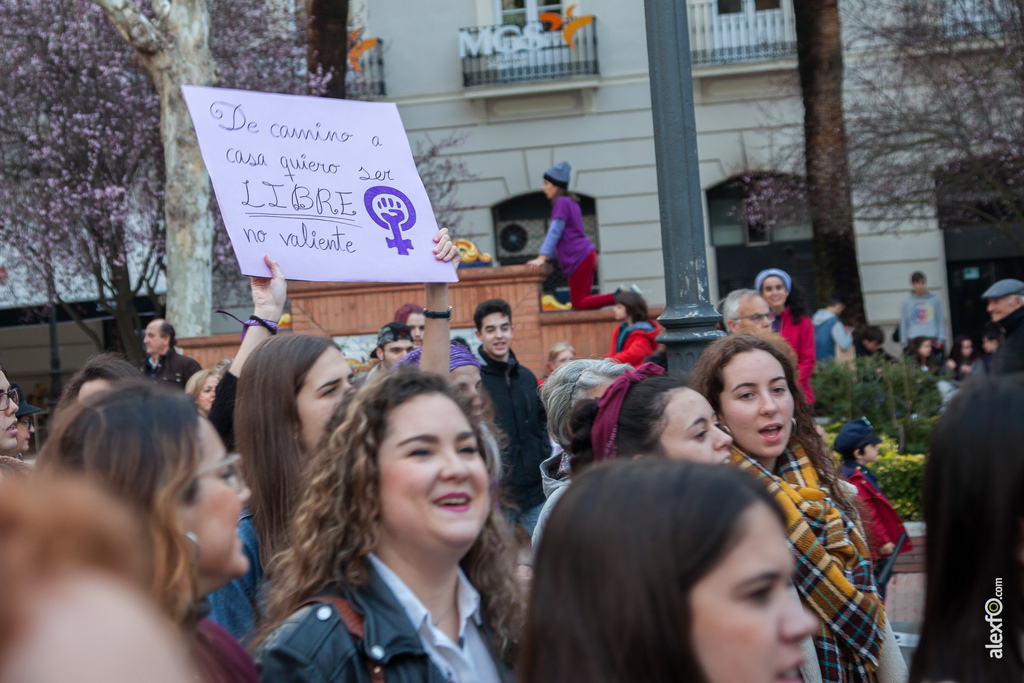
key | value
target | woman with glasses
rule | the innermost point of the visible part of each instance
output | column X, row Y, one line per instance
column 8, row 415
column 793, row 321
column 151, row 449
column 752, row 386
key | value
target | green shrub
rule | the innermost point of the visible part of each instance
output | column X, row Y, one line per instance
column 901, row 477
column 900, row 401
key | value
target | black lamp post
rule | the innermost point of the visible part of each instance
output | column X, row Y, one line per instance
column 689, row 318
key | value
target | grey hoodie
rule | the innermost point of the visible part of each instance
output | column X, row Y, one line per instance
column 554, row 487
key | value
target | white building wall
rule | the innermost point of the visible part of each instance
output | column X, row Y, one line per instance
column 601, row 125
column 748, row 116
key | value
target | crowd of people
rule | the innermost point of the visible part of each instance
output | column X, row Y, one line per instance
column 448, row 516
column 778, row 304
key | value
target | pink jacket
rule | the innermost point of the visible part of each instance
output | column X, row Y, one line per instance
column 801, row 337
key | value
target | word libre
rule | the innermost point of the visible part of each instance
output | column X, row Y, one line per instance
column 328, row 188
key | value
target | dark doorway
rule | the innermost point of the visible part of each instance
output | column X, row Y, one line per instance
column 975, row 259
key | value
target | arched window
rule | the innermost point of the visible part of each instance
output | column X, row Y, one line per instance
column 758, row 221
column 520, row 224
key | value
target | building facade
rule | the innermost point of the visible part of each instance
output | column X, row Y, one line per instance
column 524, row 84
column 501, row 75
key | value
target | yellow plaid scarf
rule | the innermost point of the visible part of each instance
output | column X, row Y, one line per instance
column 833, row 573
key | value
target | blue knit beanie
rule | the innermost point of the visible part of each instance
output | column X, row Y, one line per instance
column 773, row 272
column 559, row 174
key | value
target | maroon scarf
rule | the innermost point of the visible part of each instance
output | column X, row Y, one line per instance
column 606, row 424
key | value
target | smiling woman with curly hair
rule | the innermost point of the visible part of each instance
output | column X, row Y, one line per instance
column 396, row 537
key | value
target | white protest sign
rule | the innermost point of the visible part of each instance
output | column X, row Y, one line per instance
column 327, row 187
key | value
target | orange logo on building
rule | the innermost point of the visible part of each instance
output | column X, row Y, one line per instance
column 569, row 25
column 357, row 47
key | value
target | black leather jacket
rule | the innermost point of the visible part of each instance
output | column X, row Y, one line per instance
column 313, row 646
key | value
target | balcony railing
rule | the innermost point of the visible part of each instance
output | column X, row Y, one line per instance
column 972, row 18
column 493, row 55
column 364, row 76
column 746, row 35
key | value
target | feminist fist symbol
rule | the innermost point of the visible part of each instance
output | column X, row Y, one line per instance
column 392, row 210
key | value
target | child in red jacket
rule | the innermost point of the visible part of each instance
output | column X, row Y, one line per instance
column 858, row 444
column 636, row 336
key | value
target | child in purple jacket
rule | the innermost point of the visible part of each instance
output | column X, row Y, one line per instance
column 566, row 241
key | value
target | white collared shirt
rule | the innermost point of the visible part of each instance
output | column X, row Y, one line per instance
column 466, row 661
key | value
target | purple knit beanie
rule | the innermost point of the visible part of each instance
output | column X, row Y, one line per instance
column 459, row 356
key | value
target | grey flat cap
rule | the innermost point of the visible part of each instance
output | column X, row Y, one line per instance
column 1004, row 288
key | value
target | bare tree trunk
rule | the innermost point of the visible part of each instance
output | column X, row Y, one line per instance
column 176, row 51
column 820, row 62
column 328, row 41
column 126, row 318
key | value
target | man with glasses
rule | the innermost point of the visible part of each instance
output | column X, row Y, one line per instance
column 744, row 310
column 8, row 415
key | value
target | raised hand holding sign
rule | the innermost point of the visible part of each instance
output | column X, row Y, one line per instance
column 289, row 172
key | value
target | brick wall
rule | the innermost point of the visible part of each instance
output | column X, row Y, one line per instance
column 904, row 602
column 336, row 309
column 911, row 561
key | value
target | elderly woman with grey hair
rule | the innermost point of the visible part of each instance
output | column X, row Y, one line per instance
column 568, row 385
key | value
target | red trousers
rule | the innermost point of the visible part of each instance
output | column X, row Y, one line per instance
column 580, row 284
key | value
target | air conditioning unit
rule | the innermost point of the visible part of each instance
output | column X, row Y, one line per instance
column 519, row 240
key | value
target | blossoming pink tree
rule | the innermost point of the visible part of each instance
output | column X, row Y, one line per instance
column 94, row 139
column 80, row 178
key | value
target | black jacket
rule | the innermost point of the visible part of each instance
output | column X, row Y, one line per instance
column 173, row 369
column 222, row 412
column 313, row 646
column 1010, row 356
column 519, row 413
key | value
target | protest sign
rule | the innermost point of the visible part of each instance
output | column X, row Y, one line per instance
column 327, row 187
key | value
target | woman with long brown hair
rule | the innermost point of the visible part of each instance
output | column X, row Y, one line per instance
column 974, row 597
column 753, row 389
column 396, row 543
column 919, row 351
column 663, row 572
column 151, row 450
column 274, row 404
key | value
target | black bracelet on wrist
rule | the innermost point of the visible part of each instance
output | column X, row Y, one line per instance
column 253, row 321
column 447, row 315
column 269, row 324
